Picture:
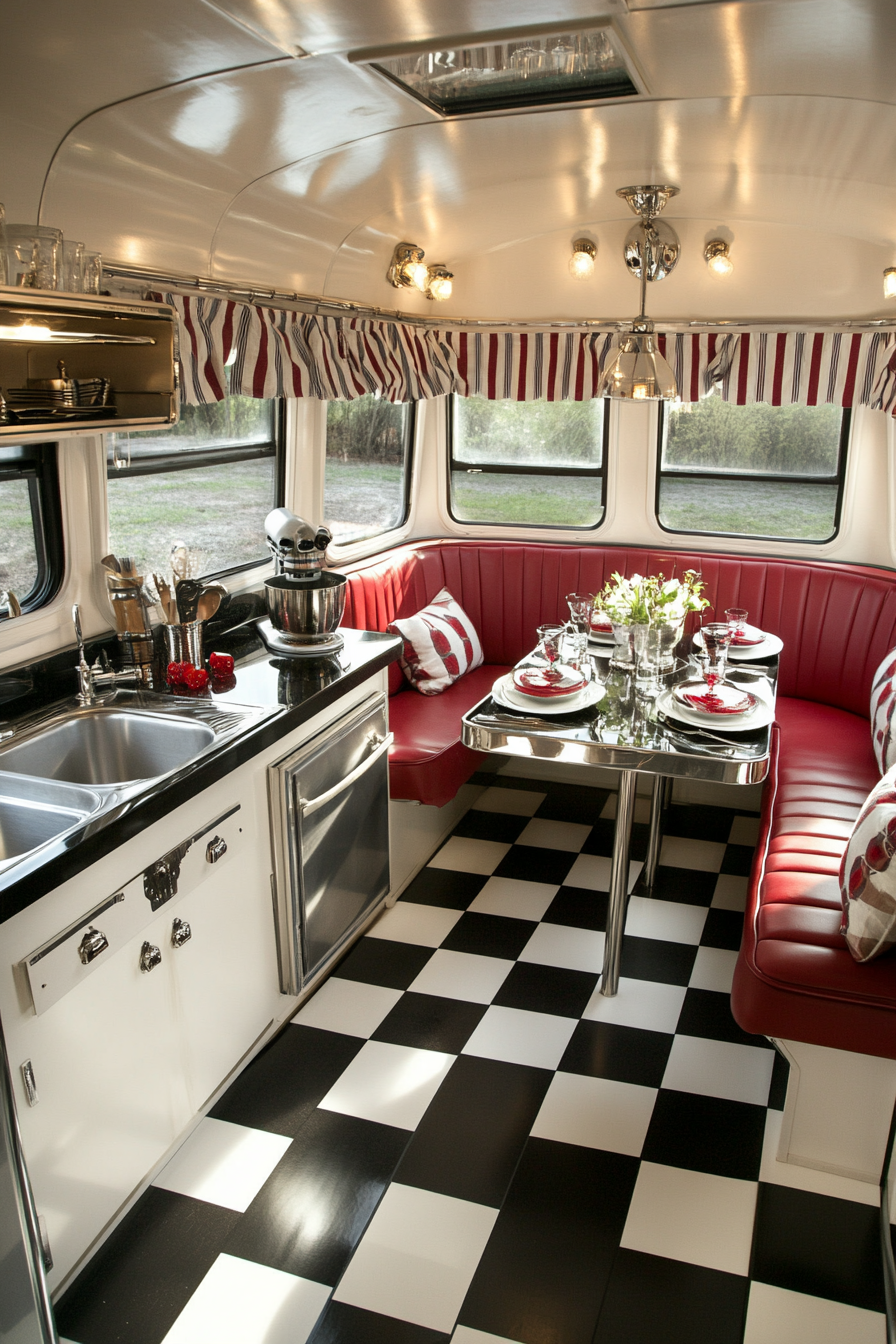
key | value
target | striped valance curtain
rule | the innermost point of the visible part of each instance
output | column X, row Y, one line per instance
column 274, row 352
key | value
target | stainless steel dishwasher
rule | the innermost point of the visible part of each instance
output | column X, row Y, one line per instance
column 329, row 803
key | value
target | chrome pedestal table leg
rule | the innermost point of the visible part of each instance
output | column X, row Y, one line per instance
column 625, row 808
column 659, row 801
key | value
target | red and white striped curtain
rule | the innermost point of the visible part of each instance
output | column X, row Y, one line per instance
column 277, row 353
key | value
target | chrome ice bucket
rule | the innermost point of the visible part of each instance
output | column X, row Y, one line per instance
column 307, row 609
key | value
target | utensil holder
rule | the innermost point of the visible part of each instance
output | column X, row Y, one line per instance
column 183, row 643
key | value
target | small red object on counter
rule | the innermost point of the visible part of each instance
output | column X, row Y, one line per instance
column 175, row 673
column 196, row 678
column 221, row 665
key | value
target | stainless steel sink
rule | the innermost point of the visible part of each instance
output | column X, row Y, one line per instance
column 104, row 745
column 34, row 811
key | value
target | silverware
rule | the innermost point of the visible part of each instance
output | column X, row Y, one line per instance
column 187, row 593
column 672, row 726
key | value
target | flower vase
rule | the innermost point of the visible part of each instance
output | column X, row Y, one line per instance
column 622, row 656
column 669, row 636
column 647, row 647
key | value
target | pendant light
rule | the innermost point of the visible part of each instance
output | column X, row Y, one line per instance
column 639, row 372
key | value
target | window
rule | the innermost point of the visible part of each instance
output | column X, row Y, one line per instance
column 527, row 463
column 752, row 471
column 209, row 481
column 368, row 467
column 31, row 553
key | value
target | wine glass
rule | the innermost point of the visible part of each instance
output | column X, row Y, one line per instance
column 549, row 638
column 580, row 606
column 717, row 635
column 737, row 619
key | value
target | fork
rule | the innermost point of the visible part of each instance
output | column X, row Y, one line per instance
column 667, row 724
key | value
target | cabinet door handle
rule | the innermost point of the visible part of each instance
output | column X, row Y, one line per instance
column 91, row 945
column 180, row 933
column 309, row 805
column 150, row 957
column 215, row 849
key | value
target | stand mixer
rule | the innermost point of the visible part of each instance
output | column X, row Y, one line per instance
column 305, row 602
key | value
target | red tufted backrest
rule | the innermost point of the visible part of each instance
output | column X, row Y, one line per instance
column 837, row 621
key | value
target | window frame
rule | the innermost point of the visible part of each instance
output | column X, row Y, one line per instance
column 502, row 469
column 410, row 454
column 38, row 465
column 775, row 477
column 192, row 459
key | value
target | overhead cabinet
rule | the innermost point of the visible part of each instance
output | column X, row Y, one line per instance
column 79, row 365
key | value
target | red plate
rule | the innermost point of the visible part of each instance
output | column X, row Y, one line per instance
column 602, row 624
column 722, row 699
column 534, row 681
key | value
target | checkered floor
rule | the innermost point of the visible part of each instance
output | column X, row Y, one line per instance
column 460, row 1140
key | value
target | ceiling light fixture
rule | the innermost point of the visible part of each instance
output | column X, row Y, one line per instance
column 890, row 282
column 407, row 269
column 581, row 263
column 639, row 372
column 716, row 254
column 438, row 282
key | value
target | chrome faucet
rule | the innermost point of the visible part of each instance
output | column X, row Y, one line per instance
column 90, row 678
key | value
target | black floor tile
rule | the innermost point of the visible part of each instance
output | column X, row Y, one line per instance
column 547, row 989
column 723, row 928
column 627, row 1054
column 309, row 1215
column 578, row 908
column 282, row 1086
column 430, row 1022
column 777, row 1093
column 711, row 1134
column 652, row 959
column 503, row 826
column 382, row 961
column 443, row 886
column 650, row 1299
column 533, row 864
column 572, row 802
column 818, row 1245
column 699, row 821
column 705, row 1012
column 469, row 1141
column 544, row 1270
column 138, row 1283
column 342, row 1324
column 684, row 885
column 489, row 935
column 738, row 860
column 600, row 841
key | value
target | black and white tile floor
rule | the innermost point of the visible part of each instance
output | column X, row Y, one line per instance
column 458, row 1139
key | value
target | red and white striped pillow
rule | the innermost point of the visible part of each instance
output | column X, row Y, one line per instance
column 440, row 644
column 883, row 713
column 868, row 875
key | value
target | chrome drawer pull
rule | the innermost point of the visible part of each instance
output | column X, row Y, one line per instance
column 91, row 945
column 309, row 805
column 150, row 957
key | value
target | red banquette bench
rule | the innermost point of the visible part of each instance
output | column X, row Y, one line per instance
column 795, row 978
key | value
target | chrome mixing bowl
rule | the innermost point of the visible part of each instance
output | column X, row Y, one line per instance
column 306, row 610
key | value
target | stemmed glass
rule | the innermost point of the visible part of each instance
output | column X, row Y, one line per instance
column 580, row 606
column 549, row 638
column 717, row 635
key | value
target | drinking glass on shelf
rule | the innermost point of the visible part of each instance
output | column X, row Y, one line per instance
column 72, row 270
column 717, row 635
column 580, row 607
column 33, row 256
column 549, row 639
column 93, row 272
column 3, row 272
column 737, row 619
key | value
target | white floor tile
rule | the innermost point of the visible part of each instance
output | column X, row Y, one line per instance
column 223, row 1163
column 779, row 1316
column 393, row 1084
column 713, row 969
column 720, row 1069
column 514, row 898
column 462, row 975
column 808, row 1178
column 348, row 1006
column 521, row 1037
column 464, row 1335
column 692, row 1216
column 561, row 945
column 639, row 1003
column 240, row 1302
column 595, row 1113
column 515, row 802
column 469, row 856
column 569, row 836
column 425, row 925
column 642, row 809
column 592, row 872
column 417, row 1257
column 730, row 893
column 704, row 855
column 744, row 831
column 669, row 921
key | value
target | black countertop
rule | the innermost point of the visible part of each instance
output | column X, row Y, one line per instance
column 287, row 690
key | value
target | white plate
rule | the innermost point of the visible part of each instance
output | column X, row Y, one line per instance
column 600, row 636
column 507, row 695
column 760, row 716
column 742, row 653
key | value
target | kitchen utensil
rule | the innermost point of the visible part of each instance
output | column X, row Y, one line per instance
column 209, row 602
column 686, row 731
column 187, row 593
column 110, row 562
column 180, row 561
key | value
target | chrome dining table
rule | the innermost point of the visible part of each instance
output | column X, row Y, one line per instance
column 625, row 731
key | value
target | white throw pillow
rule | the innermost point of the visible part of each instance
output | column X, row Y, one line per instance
column 868, row 875
column 883, row 707
column 440, row 644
